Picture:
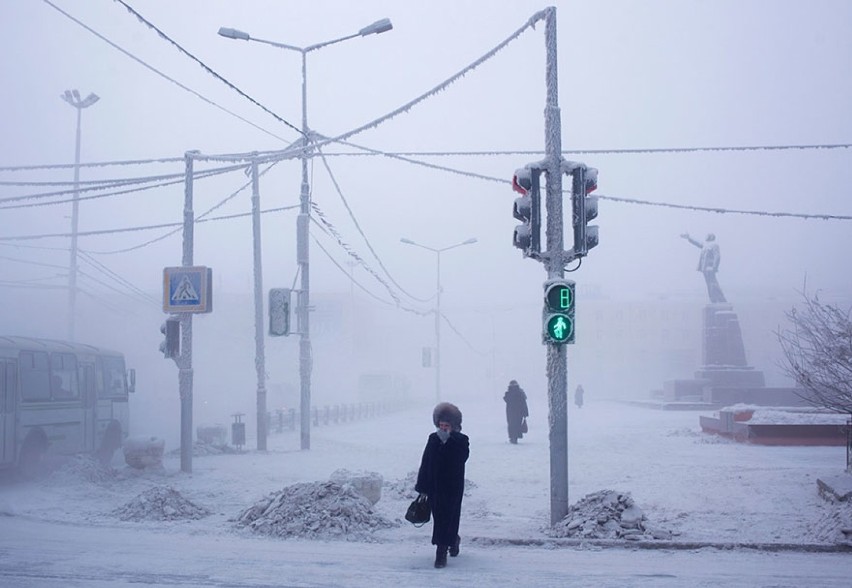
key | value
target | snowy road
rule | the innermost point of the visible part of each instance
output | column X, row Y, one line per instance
column 36, row 554
column 62, row 531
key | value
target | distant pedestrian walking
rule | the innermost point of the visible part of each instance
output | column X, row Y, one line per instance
column 516, row 411
column 578, row 396
column 441, row 478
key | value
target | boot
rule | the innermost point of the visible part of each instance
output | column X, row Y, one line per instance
column 454, row 548
column 441, row 556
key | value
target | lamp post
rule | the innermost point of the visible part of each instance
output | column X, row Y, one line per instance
column 437, row 253
column 72, row 97
column 303, row 220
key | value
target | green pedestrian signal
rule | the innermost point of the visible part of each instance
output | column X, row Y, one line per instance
column 558, row 315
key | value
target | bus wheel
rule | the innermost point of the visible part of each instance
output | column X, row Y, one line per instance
column 111, row 442
column 30, row 460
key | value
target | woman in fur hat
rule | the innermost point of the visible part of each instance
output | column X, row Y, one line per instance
column 441, row 478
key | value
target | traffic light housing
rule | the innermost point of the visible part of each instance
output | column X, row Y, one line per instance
column 585, row 208
column 279, row 312
column 170, row 347
column 527, row 209
column 558, row 314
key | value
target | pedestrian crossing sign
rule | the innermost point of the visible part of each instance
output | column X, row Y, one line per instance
column 187, row 289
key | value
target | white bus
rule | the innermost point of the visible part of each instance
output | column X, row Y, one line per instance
column 60, row 398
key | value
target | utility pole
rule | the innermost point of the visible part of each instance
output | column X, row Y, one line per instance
column 72, row 97
column 184, row 362
column 260, row 354
column 304, row 217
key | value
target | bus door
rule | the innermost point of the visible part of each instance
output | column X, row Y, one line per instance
column 90, row 420
column 8, row 405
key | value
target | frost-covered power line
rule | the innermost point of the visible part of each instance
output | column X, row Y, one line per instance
column 174, row 81
column 206, row 68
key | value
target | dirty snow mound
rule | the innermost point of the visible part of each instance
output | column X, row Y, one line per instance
column 607, row 514
column 836, row 516
column 314, row 510
column 160, row 503
column 402, row 488
column 84, row 468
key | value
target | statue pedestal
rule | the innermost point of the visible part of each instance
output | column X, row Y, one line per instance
column 724, row 365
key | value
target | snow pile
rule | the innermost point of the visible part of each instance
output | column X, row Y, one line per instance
column 367, row 483
column 830, row 526
column 795, row 415
column 84, row 468
column 607, row 514
column 202, row 448
column 402, row 488
column 315, row 510
column 160, row 503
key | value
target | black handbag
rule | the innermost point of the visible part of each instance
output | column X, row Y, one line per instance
column 524, row 427
column 419, row 511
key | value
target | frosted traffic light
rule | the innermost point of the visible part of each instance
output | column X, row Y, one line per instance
column 585, row 208
column 279, row 312
column 170, row 346
column 527, row 209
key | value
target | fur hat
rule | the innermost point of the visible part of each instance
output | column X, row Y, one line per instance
column 449, row 413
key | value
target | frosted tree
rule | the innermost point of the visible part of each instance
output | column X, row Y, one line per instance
column 817, row 346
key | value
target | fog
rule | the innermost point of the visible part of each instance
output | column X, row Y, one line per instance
column 655, row 75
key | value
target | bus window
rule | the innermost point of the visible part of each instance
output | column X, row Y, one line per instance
column 35, row 376
column 113, row 373
column 11, row 387
column 87, row 384
column 63, row 382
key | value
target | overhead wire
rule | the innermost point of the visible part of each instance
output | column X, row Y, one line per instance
column 177, row 83
column 205, row 67
column 361, row 231
column 157, row 181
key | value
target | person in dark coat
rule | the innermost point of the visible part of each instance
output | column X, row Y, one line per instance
column 441, row 478
column 516, row 410
column 578, row 396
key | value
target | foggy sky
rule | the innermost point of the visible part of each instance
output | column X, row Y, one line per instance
column 656, row 74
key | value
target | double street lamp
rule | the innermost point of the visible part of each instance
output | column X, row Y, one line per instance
column 303, row 220
column 437, row 253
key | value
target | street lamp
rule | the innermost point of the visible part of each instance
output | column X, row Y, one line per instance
column 437, row 253
column 72, row 97
column 303, row 220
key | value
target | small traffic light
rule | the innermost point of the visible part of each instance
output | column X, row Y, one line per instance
column 558, row 314
column 279, row 312
column 527, row 209
column 170, row 347
column 585, row 208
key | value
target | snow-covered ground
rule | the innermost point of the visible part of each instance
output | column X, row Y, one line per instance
column 676, row 483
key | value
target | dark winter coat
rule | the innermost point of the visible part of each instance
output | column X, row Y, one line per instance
column 516, row 409
column 441, row 477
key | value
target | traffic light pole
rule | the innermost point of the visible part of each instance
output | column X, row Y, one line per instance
column 557, row 364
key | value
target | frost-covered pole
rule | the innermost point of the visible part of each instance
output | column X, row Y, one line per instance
column 259, row 354
column 72, row 97
column 557, row 377
column 184, row 362
column 302, row 252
